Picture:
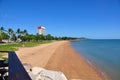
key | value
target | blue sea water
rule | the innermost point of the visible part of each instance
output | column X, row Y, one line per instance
column 103, row 54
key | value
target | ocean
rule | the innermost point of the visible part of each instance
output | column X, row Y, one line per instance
column 104, row 54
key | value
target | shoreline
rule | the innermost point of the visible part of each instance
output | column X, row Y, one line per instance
column 60, row 56
column 103, row 75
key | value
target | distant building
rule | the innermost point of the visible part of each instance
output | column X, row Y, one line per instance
column 41, row 30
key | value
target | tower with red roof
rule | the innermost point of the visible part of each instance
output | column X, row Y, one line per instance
column 41, row 30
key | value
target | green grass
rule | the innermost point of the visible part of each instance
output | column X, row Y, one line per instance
column 2, row 57
column 15, row 46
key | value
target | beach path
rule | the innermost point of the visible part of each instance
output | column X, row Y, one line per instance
column 59, row 56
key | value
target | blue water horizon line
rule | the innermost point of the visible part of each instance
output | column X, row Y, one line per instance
column 101, row 39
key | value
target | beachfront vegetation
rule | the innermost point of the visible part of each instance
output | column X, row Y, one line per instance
column 23, row 35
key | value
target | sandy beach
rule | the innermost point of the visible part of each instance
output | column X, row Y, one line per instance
column 59, row 56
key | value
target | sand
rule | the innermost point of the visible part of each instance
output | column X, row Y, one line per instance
column 59, row 56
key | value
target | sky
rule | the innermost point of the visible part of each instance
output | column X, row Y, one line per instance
column 97, row 19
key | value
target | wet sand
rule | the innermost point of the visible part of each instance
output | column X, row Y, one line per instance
column 60, row 56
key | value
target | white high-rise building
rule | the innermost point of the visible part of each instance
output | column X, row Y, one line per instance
column 41, row 30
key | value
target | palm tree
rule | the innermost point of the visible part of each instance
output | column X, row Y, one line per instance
column 1, row 28
column 14, row 37
column 1, row 31
column 25, row 32
column 18, row 32
column 10, row 32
